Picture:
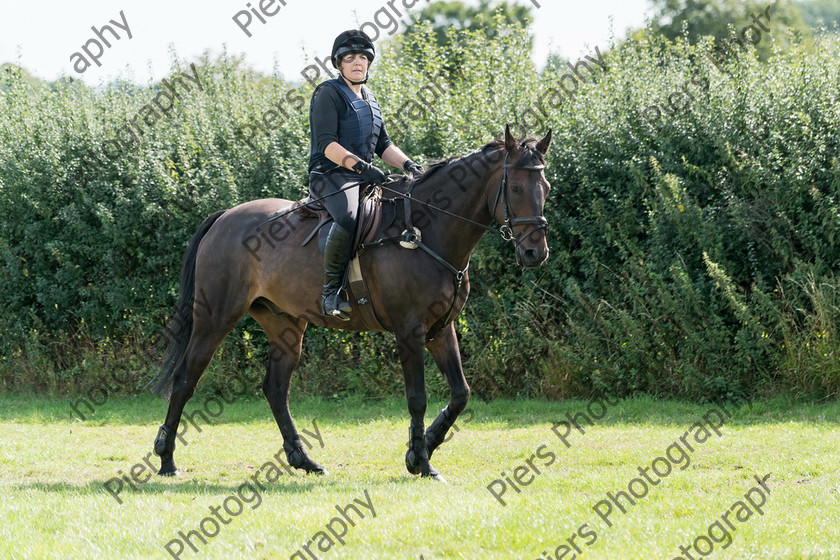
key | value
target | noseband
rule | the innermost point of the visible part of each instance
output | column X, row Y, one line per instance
column 506, row 230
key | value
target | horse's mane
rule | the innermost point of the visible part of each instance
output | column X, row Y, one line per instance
column 529, row 155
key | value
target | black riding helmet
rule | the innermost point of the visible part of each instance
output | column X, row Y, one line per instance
column 353, row 41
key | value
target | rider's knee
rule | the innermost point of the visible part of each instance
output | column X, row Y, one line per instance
column 347, row 221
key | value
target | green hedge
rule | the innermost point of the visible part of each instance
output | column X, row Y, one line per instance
column 693, row 257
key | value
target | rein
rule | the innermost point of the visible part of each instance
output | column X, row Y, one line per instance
column 505, row 231
column 411, row 236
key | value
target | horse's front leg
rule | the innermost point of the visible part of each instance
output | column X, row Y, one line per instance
column 447, row 355
column 411, row 351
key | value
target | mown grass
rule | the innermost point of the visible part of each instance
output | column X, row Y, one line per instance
column 54, row 466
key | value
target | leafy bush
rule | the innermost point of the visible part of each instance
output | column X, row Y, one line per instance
column 692, row 257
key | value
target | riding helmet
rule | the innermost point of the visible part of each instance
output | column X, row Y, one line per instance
column 352, row 41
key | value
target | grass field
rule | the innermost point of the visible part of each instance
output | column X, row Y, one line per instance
column 54, row 467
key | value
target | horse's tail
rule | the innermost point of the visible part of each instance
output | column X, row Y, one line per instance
column 182, row 325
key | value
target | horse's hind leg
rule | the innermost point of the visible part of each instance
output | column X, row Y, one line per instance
column 204, row 340
column 444, row 349
column 285, row 335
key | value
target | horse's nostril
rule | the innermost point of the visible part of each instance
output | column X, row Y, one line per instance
column 531, row 254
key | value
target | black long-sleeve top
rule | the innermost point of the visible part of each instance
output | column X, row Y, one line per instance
column 327, row 105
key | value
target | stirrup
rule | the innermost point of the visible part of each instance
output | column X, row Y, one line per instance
column 336, row 310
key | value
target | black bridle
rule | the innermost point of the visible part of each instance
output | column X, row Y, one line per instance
column 506, row 230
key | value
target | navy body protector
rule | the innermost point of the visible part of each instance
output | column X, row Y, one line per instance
column 358, row 128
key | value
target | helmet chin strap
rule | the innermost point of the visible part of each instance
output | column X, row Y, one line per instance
column 351, row 81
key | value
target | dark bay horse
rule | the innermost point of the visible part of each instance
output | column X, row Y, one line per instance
column 415, row 293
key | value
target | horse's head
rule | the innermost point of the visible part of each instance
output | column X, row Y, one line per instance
column 519, row 203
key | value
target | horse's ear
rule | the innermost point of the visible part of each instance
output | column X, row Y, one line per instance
column 510, row 141
column 542, row 146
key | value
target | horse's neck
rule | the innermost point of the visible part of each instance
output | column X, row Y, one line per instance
column 462, row 188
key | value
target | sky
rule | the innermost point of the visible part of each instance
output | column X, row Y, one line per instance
column 47, row 38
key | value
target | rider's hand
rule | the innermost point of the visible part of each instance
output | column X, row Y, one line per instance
column 370, row 173
column 413, row 169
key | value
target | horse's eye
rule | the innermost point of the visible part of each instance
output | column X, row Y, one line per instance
column 516, row 189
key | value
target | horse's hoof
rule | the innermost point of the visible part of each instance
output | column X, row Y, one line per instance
column 300, row 460
column 167, row 467
column 410, row 462
column 433, row 474
column 316, row 469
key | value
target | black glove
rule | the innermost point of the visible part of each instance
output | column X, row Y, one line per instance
column 370, row 173
column 413, row 169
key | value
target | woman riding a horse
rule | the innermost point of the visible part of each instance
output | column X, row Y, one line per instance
column 347, row 129
column 225, row 275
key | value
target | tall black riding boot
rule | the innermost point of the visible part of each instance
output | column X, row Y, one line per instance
column 335, row 260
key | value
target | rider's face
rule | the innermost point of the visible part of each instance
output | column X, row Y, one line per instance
column 354, row 66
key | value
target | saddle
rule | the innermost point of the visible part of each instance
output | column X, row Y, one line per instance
column 376, row 213
column 370, row 217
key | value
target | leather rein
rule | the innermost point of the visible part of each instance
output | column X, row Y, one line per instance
column 411, row 238
column 506, row 229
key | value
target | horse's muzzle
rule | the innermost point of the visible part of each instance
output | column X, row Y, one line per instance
column 531, row 257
